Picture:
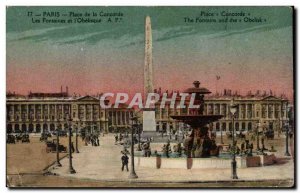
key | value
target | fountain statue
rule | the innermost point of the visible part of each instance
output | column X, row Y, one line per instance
column 200, row 142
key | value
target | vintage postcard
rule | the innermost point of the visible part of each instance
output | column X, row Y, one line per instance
column 150, row 97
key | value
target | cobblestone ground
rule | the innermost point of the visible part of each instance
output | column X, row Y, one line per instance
column 103, row 163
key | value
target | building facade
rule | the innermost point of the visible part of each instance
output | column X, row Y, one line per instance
column 270, row 111
column 39, row 112
column 119, row 118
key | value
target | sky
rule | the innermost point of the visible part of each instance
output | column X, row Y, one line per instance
column 109, row 57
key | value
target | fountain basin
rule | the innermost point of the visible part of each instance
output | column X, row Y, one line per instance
column 204, row 163
column 188, row 163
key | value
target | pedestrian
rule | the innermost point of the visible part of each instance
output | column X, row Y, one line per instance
column 124, row 161
column 98, row 141
column 116, row 138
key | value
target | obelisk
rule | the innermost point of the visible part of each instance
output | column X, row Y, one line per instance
column 149, row 124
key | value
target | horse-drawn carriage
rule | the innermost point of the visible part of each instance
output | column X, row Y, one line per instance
column 229, row 135
column 51, row 146
column 25, row 138
column 44, row 137
column 241, row 135
column 18, row 137
column 61, row 133
column 11, row 139
column 269, row 134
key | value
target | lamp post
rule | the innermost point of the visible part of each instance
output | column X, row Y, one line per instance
column 139, row 135
column 287, row 139
column 233, row 109
column 222, row 136
column 76, row 138
column 106, row 102
column 71, row 169
column 257, row 136
column 132, row 174
column 58, row 164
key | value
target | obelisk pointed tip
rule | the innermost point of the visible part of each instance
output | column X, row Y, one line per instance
column 148, row 20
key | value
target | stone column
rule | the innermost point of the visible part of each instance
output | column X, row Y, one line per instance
column 267, row 110
column 273, row 111
column 42, row 112
column 280, row 111
column 117, row 118
column 55, row 112
column 48, row 111
column 34, row 112
column 84, row 114
column 246, row 111
column 121, row 117
column 13, row 113
column 62, row 111
column 27, row 109
column 125, row 117
column 27, row 127
column 286, row 110
column 253, row 111
column 240, row 111
column 20, row 114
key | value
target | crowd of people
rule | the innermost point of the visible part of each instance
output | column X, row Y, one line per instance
column 92, row 139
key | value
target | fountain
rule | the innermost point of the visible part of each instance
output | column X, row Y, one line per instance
column 199, row 143
column 200, row 147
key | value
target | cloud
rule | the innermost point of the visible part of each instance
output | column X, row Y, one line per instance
column 127, row 35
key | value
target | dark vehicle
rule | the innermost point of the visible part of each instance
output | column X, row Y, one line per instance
column 241, row 135
column 25, row 138
column 19, row 137
column 11, row 139
column 291, row 134
column 44, row 137
column 269, row 134
column 229, row 135
column 61, row 133
column 51, row 147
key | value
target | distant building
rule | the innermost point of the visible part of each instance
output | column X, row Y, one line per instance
column 38, row 112
column 270, row 111
column 119, row 118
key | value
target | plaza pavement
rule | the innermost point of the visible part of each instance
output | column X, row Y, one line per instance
column 104, row 163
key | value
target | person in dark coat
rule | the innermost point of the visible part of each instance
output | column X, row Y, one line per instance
column 124, row 162
column 98, row 141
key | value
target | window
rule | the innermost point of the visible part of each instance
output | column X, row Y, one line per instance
column 224, row 126
column 237, row 126
column 249, row 126
column 217, row 126
column 243, row 126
